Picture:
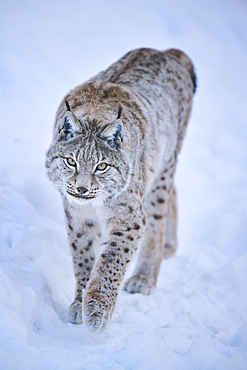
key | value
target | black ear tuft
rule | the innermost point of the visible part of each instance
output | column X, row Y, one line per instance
column 70, row 126
column 113, row 134
column 119, row 112
column 67, row 105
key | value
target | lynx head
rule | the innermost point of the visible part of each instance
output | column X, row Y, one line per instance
column 86, row 161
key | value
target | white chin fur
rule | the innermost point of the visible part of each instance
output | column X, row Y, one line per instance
column 81, row 201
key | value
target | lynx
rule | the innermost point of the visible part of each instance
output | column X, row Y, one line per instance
column 113, row 157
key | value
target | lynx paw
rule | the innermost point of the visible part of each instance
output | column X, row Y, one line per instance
column 96, row 317
column 139, row 284
column 75, row 313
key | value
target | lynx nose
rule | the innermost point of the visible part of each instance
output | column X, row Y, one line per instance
column 82, row 190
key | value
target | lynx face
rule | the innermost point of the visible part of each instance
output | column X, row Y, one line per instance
column 88, row 166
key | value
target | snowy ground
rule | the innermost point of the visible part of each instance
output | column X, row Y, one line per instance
column 197, row 317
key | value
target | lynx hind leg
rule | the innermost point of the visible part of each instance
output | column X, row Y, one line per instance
column 171, row 225
column 152, row 249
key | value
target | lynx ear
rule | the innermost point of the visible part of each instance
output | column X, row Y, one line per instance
column 70, row 126
column 113, row 134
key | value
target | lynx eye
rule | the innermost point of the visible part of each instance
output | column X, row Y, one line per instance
column 71, row 162
column 101, row 167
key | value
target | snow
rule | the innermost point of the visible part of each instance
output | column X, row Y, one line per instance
column 197, row 316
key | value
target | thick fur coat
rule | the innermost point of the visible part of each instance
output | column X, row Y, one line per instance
column 113, row 158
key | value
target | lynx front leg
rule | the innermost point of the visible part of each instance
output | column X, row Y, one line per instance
column 84, row 234
column 105, row 282
column 83, row 261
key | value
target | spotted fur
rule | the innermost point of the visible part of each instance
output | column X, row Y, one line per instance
column 113, row 158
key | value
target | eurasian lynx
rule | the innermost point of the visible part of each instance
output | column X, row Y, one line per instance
column 113, row 158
